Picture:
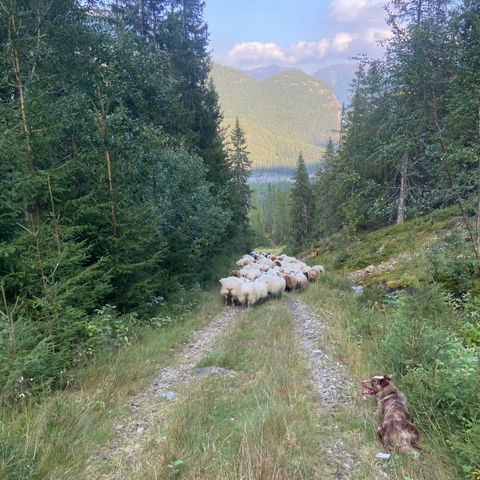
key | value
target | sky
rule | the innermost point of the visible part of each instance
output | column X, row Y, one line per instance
column 303, row 34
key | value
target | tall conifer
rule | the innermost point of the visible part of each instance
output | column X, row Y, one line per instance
column 301, row 206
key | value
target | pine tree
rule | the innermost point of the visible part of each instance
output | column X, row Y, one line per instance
column 240, row 166
column 280, row 226
column 301, row 206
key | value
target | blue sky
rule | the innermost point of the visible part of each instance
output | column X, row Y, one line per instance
column 296, row 33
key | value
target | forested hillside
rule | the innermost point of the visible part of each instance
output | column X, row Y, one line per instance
column 282, row 115
column 262, row 73
column 116, row 189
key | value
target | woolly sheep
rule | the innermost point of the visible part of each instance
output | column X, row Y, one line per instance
column 230, row 289
column 290, row 281
column 248, row 294
column 319, row 269
column 262, row 289
column 312, row 275
column 301, row 281
column 275, row 285
column 261, row 274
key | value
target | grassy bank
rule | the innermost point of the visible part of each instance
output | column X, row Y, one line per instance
column 346, row 252
column 362, row 353
column 54, row 437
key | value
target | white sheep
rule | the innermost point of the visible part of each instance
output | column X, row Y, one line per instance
column 301, row 281
column 245, row 260
column 262, row 289
column 275, row 285
column 248, row 294
column 230, row 289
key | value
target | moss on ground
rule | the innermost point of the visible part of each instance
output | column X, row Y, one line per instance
column 344, row 253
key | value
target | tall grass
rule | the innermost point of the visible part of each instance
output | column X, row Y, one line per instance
column 356, row 333
column 55, row 436
column 261, row 423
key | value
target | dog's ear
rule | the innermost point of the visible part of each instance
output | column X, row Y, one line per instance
column 385, row 380
column 389, row 377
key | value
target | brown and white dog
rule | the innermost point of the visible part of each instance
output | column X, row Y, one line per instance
column 396, row 431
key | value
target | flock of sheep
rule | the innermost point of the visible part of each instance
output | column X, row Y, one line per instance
column 264, row 274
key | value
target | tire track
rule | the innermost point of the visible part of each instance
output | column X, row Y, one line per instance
column 127, row 446
column 332, row 383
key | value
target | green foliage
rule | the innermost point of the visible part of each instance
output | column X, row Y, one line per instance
column 453, row 264
column 409, row 140
column 348, row 250
column 240, row 166
column 269, row 214
column 286, row 113
column 301, row 207
column 106, row 328
column 114, row 177
column 415, row 335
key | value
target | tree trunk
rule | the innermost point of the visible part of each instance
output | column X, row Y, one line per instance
column 143, row 21
column 103, row 128
column 477, row 213
column 23, row 109
column 54, row 217
column 419, row 12
column 402, row 201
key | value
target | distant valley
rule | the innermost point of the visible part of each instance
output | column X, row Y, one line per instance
column 283, row 113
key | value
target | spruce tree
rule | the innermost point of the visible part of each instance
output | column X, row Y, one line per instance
column 107, row 192
column 240, row 166
column 301, row 206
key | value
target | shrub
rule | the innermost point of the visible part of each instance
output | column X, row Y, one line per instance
column 453, row 264
column 26, row 363
column 429, row 340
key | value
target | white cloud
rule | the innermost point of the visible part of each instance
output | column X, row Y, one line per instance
column 257, row 52
column 308, row 50
column 342, row 46
column 353, row 10
column 342, row 41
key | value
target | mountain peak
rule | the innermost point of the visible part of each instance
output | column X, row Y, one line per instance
column 287, row 112
column 263, row 73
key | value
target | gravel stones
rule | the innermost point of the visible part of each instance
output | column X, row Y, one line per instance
column 130, row 440
column 329, row 377
column 169, row 396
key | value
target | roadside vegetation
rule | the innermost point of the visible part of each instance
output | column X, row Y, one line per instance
column 355, row 333
column 56, row 436
column 118, row 190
